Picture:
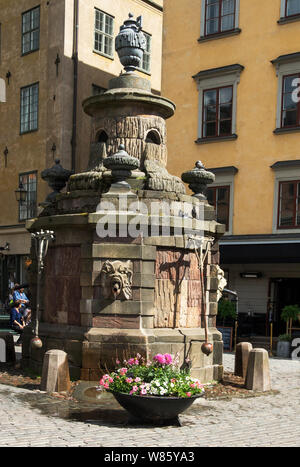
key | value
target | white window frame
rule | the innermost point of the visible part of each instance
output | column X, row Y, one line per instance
column 147, row 53
column 103, row 33
column 202, row 21
column 215, row 79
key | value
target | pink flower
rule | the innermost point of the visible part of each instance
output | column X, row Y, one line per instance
column 134, row 388
column 106, row 385
column 133, row 361
column 110, row 380
column 160, row 359
column 123, row 371
column 168, row 359
column 129, row 380
column 188, row 394
column 144, row 391
column 193, row 385
column 118, row 362
column 137, row 379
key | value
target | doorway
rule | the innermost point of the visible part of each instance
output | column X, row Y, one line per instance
column 284, row 292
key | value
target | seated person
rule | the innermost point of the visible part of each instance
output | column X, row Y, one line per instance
column 16, row 320
column 20, row 296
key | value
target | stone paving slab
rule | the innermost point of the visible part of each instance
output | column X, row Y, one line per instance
column 272, row 420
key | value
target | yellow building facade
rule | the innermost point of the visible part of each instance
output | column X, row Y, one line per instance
column 53, row 55
column 232, row 67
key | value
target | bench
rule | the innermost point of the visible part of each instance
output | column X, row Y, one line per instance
column 4, row 325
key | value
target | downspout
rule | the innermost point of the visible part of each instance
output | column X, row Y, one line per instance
column 75, row 82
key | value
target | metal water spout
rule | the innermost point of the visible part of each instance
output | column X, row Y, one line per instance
column 207, row 347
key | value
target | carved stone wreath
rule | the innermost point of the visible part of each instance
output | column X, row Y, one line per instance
column 116, row 280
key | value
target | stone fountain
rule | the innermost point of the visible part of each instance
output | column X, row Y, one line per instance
column 134, row 266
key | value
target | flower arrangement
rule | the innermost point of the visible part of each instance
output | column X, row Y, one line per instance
column 159, row 377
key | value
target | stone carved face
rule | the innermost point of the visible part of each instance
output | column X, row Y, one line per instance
column 116, row 279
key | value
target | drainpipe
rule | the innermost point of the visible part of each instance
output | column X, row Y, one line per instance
column 75, row 82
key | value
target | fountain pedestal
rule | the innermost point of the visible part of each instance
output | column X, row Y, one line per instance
column 123, row 275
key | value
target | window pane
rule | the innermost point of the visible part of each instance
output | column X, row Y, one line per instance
column 210, row 129
column 210, row 97
column 225, row 111
column 227, row 23
column 212, row 11
column 292, row 7
column 288, row 102
column 210, row 114
column 212, row 26
column 228, row 7
column 225, row 127
column 26, row 22
column 287, row 204
column 289, row 84
column 289, row 118
column 225, row 95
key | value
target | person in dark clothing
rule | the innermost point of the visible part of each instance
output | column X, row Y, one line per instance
column 16, row 320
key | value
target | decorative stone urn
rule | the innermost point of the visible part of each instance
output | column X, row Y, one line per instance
column 121, row 165
column 56, row 177
column 130, row 43
column 198, row 179
column 136, row 287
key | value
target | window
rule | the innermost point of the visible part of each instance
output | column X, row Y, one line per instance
column 104, row 29
column 31, row 30
column 219, row 17
column 288, row 106
column 290, row 116
column 289, row 204
column 292, row 7
column 217, row 112
column 145, row 66
column 29, row 108
column 217, row 89
column 27, row 210
column 219, row 197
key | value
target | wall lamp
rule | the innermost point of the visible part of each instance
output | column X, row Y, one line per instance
column 251, row 275
column 21, row 193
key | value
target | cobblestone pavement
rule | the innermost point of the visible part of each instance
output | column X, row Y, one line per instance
column 272, row 420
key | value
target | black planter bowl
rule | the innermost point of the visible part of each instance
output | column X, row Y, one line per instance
column 154, row 408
